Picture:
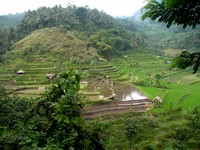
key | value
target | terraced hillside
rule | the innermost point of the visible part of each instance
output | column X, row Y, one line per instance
column 38, row 56
column 145, row 68
column 153, row 75
column 34, row 81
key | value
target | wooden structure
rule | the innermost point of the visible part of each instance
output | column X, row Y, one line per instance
column 157, row 101
column 100, row 60
column 50, row 76
column 21, row 72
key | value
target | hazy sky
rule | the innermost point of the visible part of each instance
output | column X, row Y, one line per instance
column 112, row 7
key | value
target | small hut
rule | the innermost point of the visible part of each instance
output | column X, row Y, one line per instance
column 113, row 96
column 100, row 60
column 21, row 72
column 50, row 76
column 157, row 101
column 101, row 97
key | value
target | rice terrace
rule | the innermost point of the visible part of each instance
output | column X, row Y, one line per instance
column 78, row 78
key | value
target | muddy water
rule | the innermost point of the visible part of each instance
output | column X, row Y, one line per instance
column 101, row 85
column 123, row 91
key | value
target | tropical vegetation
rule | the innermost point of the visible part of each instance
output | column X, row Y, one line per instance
column 184, row 13
column 80, row 46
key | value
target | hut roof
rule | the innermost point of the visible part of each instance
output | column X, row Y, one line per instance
column 21, row 72
column 157, row 98
column 101, row 59
column 50, row 75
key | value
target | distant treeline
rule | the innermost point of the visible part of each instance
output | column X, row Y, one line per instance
column 110, row 36
column 10, row 20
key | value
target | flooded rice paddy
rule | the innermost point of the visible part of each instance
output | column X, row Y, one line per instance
column 107, row 89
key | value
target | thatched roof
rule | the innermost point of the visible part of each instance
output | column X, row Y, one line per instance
column 101, row 59
column 50, row 76
column 157, row 98
column 21, row 72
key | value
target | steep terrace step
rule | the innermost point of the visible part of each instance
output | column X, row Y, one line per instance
column 98, row 66
column 116, row 107
column 114, row 111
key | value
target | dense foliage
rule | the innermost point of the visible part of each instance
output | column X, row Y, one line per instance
column 184, row 13
column 13, row 114
column 10, row 20
column 7, row 31
column 52, row 122
column 113, row 35
column 187, row 59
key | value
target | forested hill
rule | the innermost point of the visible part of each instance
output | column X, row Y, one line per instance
column 57, row 43
column 158, row 37
column 105, row 33
column 10, row 20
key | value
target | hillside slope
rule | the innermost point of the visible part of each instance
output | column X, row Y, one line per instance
column 50, row 51
column 44, row 51
column 62, row 44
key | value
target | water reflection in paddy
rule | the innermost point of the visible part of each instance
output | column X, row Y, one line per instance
column 123, row 91
column 127, row 92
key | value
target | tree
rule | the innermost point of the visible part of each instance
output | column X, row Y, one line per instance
column 52, row 122
column 194, row 124
column 131, row 130
column 181, row 12
column 12, row 118
column 82, row 14
column 56, row 122
column 182, row 136
column 187, row 59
